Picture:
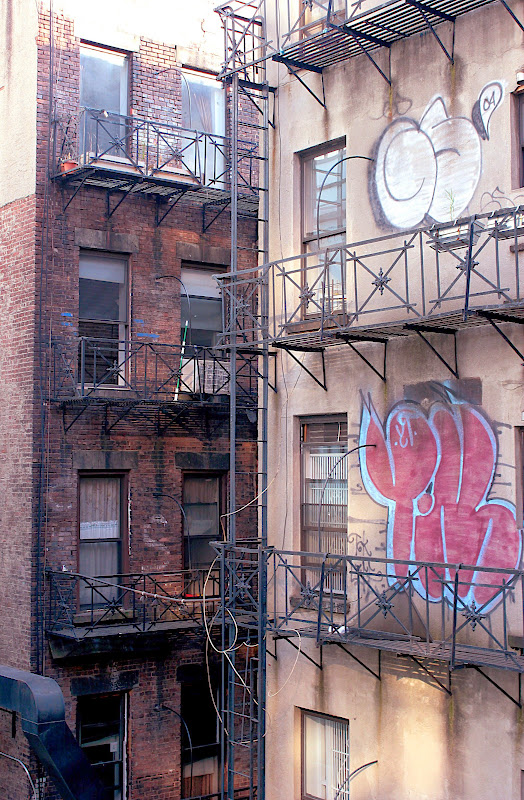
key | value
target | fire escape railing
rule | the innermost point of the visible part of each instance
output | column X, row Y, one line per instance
column 84, row 368
column 454, row 613
column 103, row 141
column 80, row 605
column 415, row 276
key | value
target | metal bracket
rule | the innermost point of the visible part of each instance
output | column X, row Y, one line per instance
column 491, row 316
column 518, row 702
column 80, row 185
column 351, row 340
column 422, row 666
column 318, row 664
column 378, row 674
column 421, row 329
column 425, row 10
column 510, row 12
column 298, row 64
column 357, row 36
column 159, row 219
column 308, row 88
column 223, row 205
column 289, row 350
column 110, row 211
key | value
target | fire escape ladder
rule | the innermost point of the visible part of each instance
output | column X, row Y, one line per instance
column 420, row 330
column 351, row 340
column 289, row 348
column 493, row 317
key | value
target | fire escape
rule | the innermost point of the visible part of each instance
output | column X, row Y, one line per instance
column 426, row 282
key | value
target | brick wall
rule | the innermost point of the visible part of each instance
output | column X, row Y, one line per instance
column 156, row 540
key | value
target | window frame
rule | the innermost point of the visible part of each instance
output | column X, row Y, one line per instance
column 221, row 478
column 307, row 156
column 124, row 522
column 187, row 296
column 123, row 732
column 340, row 419
column 304, row 712
column 123, row 325
column 519, row 98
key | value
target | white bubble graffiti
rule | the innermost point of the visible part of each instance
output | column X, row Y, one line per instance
column 432, row 168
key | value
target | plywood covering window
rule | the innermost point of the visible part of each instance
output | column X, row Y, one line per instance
column 102, row 516
column 101, row 730
column 325, row 757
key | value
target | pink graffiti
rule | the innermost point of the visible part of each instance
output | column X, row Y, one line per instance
column 434, row 473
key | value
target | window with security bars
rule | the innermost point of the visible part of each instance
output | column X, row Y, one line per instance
column 324, row 224
column 324, row 494
column 101, row 728
column 325, row 757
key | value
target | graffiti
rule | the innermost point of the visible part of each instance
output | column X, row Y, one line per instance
column 431, row 169
column 498, row 199
column 434, row 473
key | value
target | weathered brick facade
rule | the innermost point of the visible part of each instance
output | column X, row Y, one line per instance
column 43, row 449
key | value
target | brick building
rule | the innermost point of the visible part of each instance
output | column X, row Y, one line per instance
column 114, row 216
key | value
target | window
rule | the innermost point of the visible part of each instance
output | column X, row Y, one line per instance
column 324, row 221
column 324, row 485
column 201, row 498
column 204, row 109
column 199, row 773
column 201, row 307
column 520, row 106
column 325, row 757
column 102, row 518
column 104, row 99
column 101, row 733
column 102, row 316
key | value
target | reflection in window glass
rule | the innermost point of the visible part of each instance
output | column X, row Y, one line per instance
column 202, row 519
column 325, row 757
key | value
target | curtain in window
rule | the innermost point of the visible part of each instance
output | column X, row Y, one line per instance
column 201, row 506
column 100, row 535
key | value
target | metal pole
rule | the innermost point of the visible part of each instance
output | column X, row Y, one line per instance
column 230, row 551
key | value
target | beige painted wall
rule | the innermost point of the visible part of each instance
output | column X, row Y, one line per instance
column 18, row 28
column 429, row 746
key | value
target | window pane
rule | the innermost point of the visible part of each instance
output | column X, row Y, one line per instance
column 202, row 310
column 326, row 767
column 102, row 290
column 100, row 508
column 324, row 193
column 103, row 79
column 101, row 736
column 203, row 105
column 202, row 521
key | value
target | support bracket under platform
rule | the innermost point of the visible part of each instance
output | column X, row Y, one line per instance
column 303, row 349
column 294, row 72
column 352, row 340
column 420, row 330
column 517, row 702
column 317, row 664
column 377, row 674
column 493, row 317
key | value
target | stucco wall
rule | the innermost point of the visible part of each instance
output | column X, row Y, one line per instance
column 18, row 28
column 429, row 745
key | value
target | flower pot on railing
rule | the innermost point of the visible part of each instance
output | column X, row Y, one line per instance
column 68, row 164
